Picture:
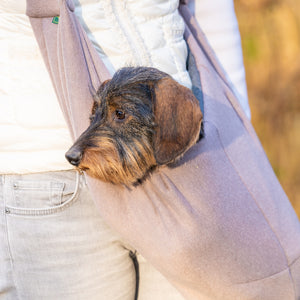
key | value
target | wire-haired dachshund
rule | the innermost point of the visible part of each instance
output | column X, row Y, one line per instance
column 140, row 119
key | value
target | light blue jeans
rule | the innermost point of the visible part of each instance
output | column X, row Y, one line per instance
column 54, row 245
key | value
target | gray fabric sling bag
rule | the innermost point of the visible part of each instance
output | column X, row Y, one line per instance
column 218, row 224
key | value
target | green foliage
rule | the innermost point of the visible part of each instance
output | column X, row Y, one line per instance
column 250, row 47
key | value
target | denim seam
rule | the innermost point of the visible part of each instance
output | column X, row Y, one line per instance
column 8, row 239
column 45, row 211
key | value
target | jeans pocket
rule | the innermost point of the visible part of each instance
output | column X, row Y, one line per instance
column 42, row 197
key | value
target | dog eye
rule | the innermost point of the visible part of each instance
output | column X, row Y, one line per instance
column 120, row 114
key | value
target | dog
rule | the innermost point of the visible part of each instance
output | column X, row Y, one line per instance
column 140, row 119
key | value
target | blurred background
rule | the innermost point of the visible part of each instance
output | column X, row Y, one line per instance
column 270, row 32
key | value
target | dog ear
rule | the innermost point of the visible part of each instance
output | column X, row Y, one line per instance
column 178, row 118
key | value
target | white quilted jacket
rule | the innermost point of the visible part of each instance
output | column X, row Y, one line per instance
column 137, row 33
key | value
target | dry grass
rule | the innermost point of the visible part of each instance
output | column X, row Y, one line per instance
column 270, row 31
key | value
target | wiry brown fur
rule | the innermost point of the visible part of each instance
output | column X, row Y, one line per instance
column 103, row 162
column 141, row 118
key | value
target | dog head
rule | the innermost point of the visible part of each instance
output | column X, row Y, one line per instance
column 140, row 119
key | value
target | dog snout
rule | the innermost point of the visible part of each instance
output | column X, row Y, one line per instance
column 74, row 156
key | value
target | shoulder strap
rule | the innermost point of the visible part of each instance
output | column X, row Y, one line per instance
column 73, row 63
column 205, row 59
column 42, row 8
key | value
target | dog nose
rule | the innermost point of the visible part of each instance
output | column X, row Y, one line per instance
column 74, row 156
